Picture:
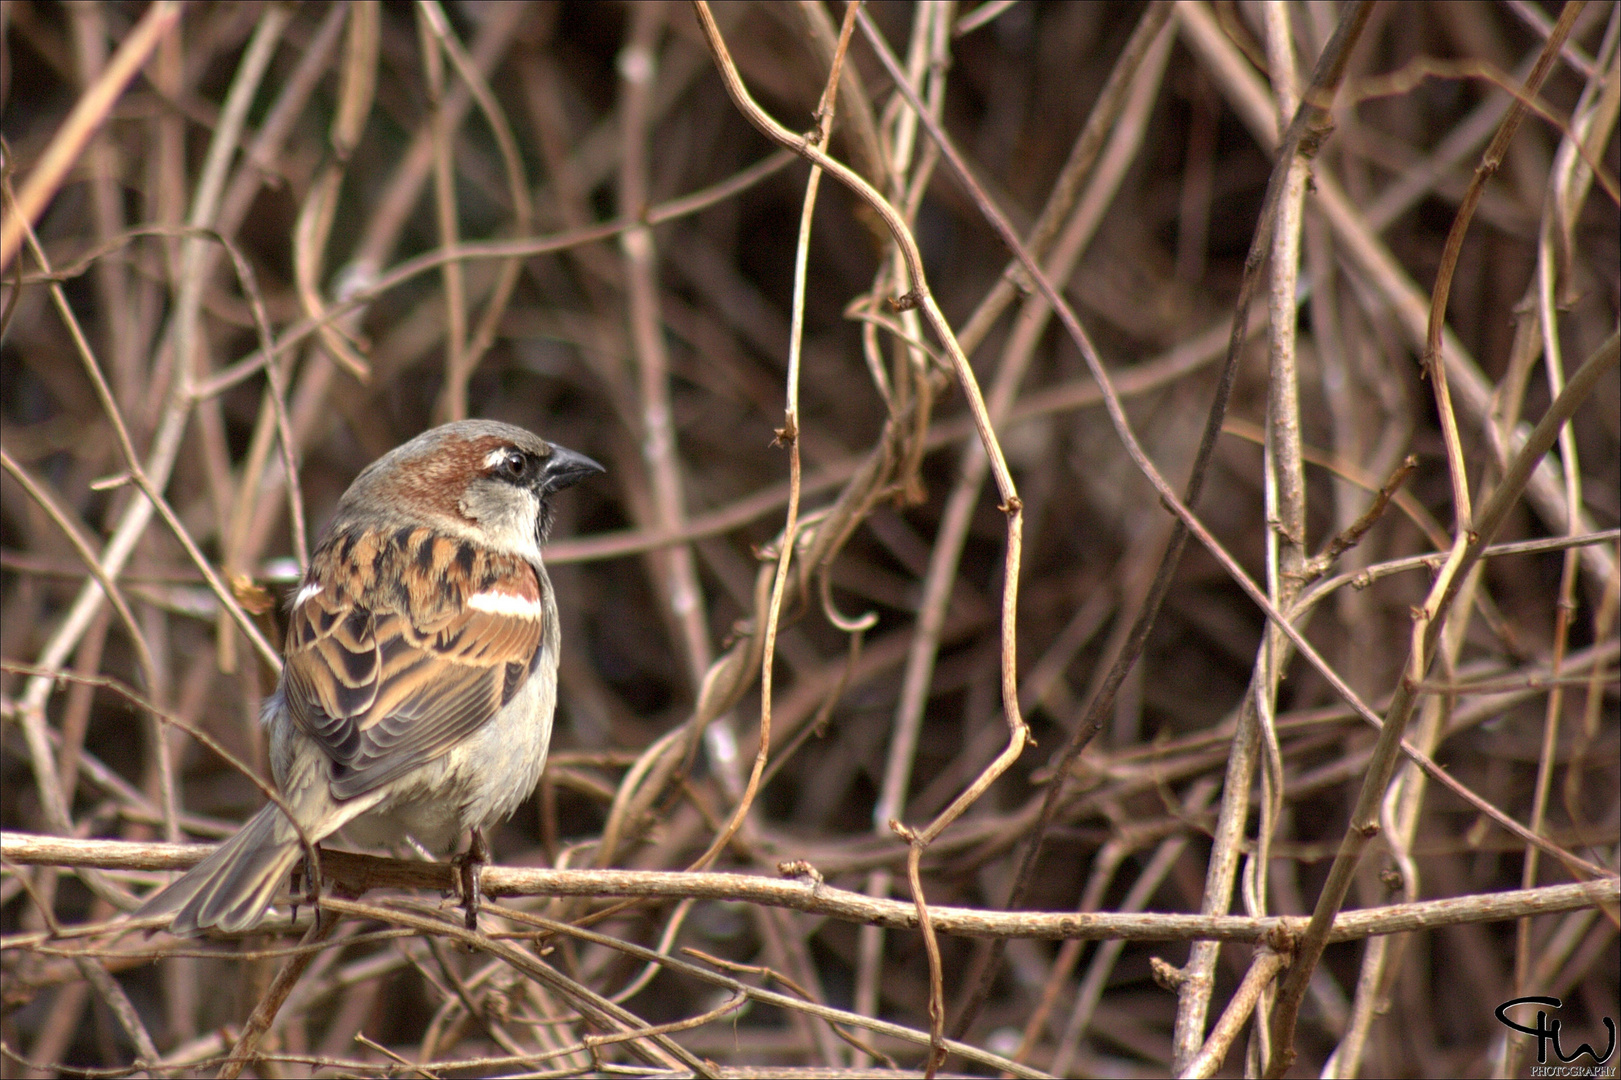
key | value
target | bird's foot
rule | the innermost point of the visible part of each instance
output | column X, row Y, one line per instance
column 307, row 876
column 469, row 869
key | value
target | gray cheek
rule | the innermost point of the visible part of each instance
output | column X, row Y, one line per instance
column 508, row 514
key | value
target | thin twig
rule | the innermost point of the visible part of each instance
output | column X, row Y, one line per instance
column 88, row 114
column 1364, row 822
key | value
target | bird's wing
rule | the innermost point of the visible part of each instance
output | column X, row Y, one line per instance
column 402, row 644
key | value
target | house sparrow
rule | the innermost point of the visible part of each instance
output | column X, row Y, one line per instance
column 421, row 668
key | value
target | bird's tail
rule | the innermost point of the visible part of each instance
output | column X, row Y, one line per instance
column 233, row 886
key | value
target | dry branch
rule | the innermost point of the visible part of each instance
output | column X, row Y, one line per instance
column 306, row 232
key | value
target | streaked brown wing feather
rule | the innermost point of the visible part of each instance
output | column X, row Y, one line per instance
column 383, row 689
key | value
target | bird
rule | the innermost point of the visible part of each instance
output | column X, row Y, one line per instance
column 420, row 674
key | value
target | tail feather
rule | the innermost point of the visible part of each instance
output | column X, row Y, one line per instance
column 233, row 886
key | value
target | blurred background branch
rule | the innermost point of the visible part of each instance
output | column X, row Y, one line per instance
column 276, row 241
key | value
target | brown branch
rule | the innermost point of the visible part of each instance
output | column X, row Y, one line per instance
column 359, row 873
column 1364, row 825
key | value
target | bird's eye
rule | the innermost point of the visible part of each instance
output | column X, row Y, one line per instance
column 516, row 465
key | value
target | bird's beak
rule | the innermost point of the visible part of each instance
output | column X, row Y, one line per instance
column 565, row 468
